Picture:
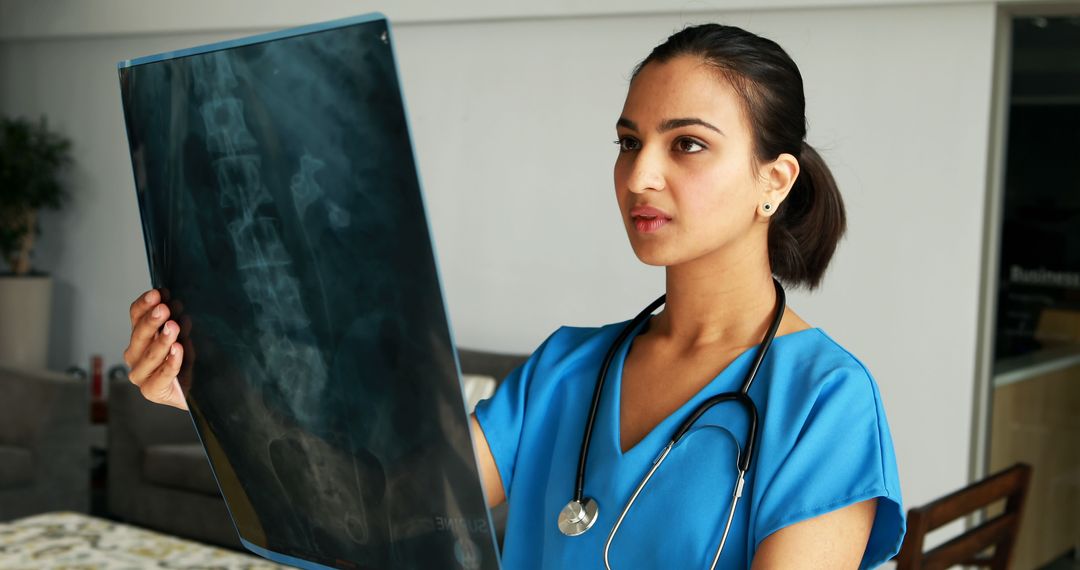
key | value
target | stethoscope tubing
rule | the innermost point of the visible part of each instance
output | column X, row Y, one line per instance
column 583, row 456
column 618, row 522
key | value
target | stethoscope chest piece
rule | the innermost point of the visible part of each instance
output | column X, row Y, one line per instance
column 577, row 517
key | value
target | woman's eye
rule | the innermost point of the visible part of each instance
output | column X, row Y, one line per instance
column 689, row 146
column 627, row 144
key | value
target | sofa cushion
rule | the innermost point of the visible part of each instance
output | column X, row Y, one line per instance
column 477, row 387
column 180, row 466
column 16, row 466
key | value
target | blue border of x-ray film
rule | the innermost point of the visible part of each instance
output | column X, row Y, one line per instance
column 256, row 39
column 284, row 558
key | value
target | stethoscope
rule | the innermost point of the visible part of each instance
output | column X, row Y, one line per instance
column 580, row 513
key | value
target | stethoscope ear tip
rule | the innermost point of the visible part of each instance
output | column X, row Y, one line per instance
column 578, row 517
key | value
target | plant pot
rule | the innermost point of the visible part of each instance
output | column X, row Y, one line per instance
column 25, row 304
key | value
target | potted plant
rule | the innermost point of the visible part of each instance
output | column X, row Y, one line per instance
column 32, row 158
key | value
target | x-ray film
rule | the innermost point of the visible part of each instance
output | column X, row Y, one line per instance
column 284, row 220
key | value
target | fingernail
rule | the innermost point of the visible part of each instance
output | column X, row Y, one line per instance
column 172, row 350
column 166, row 329
column 147, row 296
column 157, row 312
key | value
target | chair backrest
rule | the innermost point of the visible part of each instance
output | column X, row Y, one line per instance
column 998, row 532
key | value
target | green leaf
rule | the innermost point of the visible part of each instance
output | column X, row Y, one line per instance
column 32, row 160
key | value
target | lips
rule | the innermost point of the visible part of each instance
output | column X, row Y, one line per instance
column 648, row 212
column 648, row 219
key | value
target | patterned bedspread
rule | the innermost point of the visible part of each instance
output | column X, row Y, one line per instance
column 74, row 541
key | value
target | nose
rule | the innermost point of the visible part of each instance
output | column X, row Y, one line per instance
column 646, row 172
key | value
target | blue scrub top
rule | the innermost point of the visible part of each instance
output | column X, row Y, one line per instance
column 823, row 443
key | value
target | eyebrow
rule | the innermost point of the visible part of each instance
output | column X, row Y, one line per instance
column 669, row 124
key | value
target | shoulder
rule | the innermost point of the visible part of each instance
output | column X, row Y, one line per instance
column 816, row 363
column 569, row 356
column 813, row 378
column 567, row 361
column 569, row 345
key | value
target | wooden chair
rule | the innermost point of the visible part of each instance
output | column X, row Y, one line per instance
column 998, row 532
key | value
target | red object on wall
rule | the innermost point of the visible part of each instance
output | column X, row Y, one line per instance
column 95, row 377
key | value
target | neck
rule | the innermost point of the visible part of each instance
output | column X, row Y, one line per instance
column 713, row 301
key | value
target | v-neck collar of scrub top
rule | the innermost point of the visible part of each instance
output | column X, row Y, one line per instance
column 732, row 376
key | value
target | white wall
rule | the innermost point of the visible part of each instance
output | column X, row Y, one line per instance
column 513, row 120
column 23, row 19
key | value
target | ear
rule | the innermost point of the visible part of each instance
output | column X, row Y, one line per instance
column 777, row 178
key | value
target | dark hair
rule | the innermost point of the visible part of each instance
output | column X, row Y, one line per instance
column 804, row 230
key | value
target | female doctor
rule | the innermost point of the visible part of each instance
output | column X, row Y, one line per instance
column 715, row 183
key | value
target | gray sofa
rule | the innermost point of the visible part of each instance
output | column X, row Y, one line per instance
column 44, row 443
column 158, row 476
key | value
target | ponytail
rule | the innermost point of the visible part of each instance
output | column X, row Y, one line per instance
column 804, row 231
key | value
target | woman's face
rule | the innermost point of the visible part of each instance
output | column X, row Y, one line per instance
column 685, row 148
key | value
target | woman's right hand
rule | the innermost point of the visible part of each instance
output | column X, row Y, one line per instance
column 153, row 354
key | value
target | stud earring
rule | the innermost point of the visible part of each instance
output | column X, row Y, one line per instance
column 767, row 207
